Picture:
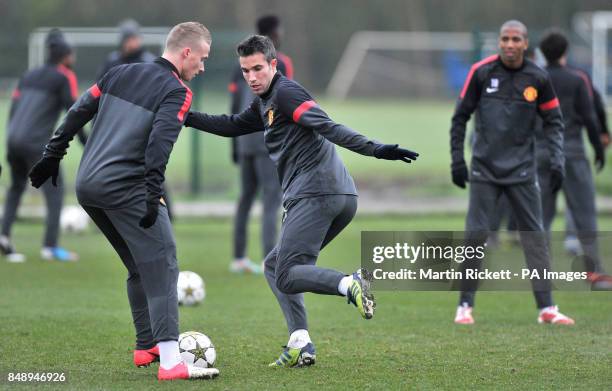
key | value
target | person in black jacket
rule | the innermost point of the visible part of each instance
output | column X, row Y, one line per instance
column 131, row 51
column 257, row 171
column 319, row 195
column 42, row 94
column 571, row 242
column 508, row 92
column 130, row 48
column 140, row 109
column 576, row 99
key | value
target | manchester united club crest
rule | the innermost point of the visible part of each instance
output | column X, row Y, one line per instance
column 270, row 117
column 530, row 94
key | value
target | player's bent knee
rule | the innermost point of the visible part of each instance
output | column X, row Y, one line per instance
column 284, row 283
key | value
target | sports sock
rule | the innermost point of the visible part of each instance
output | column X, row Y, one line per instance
column 298, row 339
column 344, row 285
column 169, row 355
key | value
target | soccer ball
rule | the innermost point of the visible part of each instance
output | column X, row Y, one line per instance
column 74, row 219
column 197, row 349
column 190, row 288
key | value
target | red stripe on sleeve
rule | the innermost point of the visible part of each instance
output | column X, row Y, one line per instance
column 232, row 87
column 72, row 80
column 95, row 91
column 473, row 69
column 551, row 104
column 187, row 103
column 16, row 94
column 304, row 107
column 586, row 81
column 185, row 107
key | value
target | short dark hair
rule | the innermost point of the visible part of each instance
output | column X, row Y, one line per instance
column 553, row 45
column 257, row 44
column 514, row 24
column 267, row 24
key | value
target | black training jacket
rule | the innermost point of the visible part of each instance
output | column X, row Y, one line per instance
column 576, row 99
column 140, row 111
column 37, row 102
column 507, row 103
column 299, row 136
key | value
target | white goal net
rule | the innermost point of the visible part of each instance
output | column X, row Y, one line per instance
column 419, row 64
column 602, row 53
column 92, row 45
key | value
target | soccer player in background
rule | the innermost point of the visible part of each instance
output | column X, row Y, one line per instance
column 571, row 242
column 257, row 170
column 508, row 92
column 319, row 195
column 42, row 94
column 576, row 99
column 131, row 51
column 130, row 48
column 140, row 109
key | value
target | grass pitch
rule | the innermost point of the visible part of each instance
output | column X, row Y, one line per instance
column 74, row 318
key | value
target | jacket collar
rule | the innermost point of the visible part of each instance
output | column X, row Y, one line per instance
column 166, row 64
column 525, row 60
column 266, row 95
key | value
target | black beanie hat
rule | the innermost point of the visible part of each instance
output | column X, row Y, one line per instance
column 128, row 28
column 57, row 46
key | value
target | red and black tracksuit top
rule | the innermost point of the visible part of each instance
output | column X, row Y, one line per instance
column 507, row 102
column 576, row 99
column 42, row 94
column 140, row 109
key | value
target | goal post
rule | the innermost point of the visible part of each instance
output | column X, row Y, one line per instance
column 601, row 25
column 103, row 37
column 403, row 59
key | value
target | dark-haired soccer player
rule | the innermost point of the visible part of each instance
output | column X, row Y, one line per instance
column 576, row 99
column 257, row 170
column 140, row 109
column 508, row 92
column 41, row 96
column 319, row 195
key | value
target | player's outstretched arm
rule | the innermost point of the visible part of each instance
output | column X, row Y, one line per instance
column 296, row 103
column 79, row 114
column 234, row 125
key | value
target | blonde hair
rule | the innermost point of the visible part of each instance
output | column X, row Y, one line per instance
column 187, row 34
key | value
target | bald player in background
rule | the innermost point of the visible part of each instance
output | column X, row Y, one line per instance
column 508, row 92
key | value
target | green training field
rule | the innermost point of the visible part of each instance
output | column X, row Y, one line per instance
column 74, row 318
column 419, row 125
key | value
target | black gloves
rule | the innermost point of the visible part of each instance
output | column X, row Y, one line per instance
column 600, row 159
column 394, row 152
column 150, row 215
column 45, row 168
column 460, row 173
column 556, row 180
